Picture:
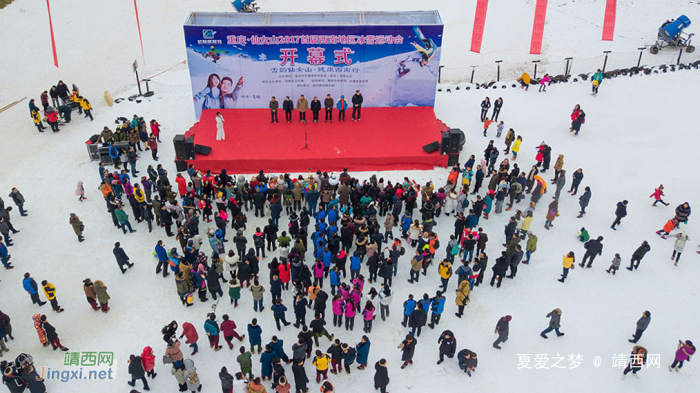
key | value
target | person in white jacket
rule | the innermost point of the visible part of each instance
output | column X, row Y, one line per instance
column 220, row 135
column 679, row 246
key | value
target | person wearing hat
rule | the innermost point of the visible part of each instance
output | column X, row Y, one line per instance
column 90, row 294
column 77, row 225
column 554, row 318
column 502, row 329
column 342, row 106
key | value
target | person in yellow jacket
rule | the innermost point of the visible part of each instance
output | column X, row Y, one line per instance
column 36, row 116
column 75, row 97
column 524, row 80
column 568, row 263
column 50, row 292
column 445, row 271
column 85, row 105
column 321, row 362
column 516, row 147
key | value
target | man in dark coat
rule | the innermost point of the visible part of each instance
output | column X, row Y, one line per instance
column 638, row 254
column 122, row 258
column 226, row 378
column 328, row 104
column 288, row 107
column 356, row 105
column 381, row 376
column 408, row 349
column 594, row 247
column 315, row 109
column 300, row 377
column 583, row 201
column 274, row 106
column 620, row 212
column 448, row 345
column 502, row 329
column 642, row 325
column 137, row 372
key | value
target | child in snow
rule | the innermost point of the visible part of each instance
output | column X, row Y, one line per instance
column 487, row 124
column 80, row 191
column 670, row 224
column 615, row 264
column 499, row 129
column 583, row 235
column 657, row 194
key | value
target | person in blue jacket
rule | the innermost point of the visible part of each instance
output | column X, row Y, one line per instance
column 406, row 221
column 408, row 306
column 348, row 356
column 114, row 155
column 278, row 311
column 162, row 256
column 437, row 306
column 472, row 219
column 362, row 349
column 335, row 279
column 342, row 105
column 266, row 363
column 277, row 347
column 212, row 330
column 355, row 265
column 255, row 335
column 5, row 255
column 32, row 289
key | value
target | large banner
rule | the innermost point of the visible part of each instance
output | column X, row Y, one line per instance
column 243, row 67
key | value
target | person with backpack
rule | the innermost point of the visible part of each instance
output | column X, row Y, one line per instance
column 596, row 80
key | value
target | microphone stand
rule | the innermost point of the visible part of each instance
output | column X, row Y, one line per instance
column 306, row 139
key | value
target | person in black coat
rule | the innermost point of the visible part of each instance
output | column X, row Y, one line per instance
column 583, row 201
column 213, row 283
column 288, row 107
column 638, row 254
column 620, row 212
column 300, row 377
column 467, row 361
column 315, row 108
column 485, row 106
column 51, row 334
column 593, row 249
column 578, row 176
column 546, row 158
column 137, row 372
column 510, row 229
column 448, row 345
column 122, row 258
column 357, row 105
column 381, row 376
column 408, row 349
column 497, row 108
column 417, row 319
column 14, row 382
column 499, row 269
column 307, row 336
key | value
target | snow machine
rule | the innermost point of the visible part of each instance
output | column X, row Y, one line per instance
column 245, row 5
column 671, row 34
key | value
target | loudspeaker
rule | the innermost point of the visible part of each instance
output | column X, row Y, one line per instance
column 431, row 147
column 452, row 159
column 179, row 144
column 201, row 149
column 181, row 165
column 189, row 148
column 457, row 138
column 445, row 144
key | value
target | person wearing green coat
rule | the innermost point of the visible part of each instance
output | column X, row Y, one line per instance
column 530, row 247
column 102, row 295
column 245, row 362
column 596, row 80
column 234, row 291
column 123, row 219
column 77, row 225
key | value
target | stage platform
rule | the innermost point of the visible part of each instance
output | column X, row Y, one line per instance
column 385, row 139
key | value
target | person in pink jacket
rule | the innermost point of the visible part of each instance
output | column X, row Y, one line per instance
column 657, row 194
column 368, row 316
column 190, row 332
column 684, row 352
column 338, row 309
column 544, row 82
column 318, row 273
column 350, row 315
column 148, row 361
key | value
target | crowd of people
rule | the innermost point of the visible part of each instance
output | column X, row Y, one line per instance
column 58, row 112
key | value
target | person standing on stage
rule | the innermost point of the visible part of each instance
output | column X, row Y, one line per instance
column 328, row 104
column 342, row 105
column 220, row 136
column 315, row 108
column 356, row 105
column 274, row 106
column 302, row 106
column 288, row 107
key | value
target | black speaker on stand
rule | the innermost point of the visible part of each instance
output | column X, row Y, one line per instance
column 179, row 144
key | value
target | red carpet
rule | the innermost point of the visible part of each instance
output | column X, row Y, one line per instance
column 385, row 139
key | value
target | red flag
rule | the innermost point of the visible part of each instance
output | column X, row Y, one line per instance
column 609, row 21
column 138, row 24
column 53, row 41
column 538, row 27
column 479, row 24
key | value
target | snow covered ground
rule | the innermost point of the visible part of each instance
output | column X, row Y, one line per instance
column 638, row 134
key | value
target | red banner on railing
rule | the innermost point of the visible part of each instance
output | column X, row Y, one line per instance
column 53, row 41
column 609, row 22
column 479, row 24
column 538, row 27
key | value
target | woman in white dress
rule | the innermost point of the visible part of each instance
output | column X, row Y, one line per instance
column 220, row 136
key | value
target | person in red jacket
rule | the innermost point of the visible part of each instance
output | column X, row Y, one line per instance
column 181, row 185
column 657, row 194
column 52, row 118
column 148, row 361
column 190, row 332
column 228, row 328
